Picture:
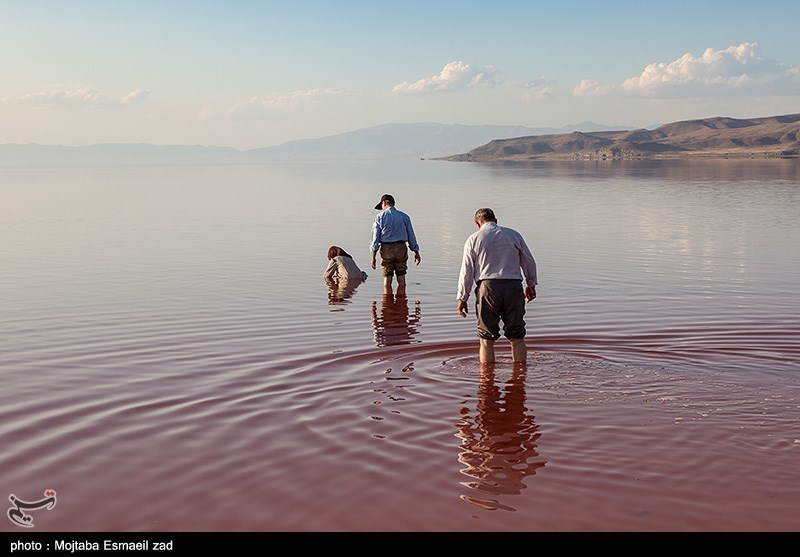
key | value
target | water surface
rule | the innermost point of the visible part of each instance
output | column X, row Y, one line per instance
column 172, row 359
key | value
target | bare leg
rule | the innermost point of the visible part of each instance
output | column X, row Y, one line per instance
column 387, row 284
column 486, row 352
column 401, row 280
column 519, row 352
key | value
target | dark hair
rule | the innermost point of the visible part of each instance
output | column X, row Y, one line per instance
column 485, row 214
column 335, row 251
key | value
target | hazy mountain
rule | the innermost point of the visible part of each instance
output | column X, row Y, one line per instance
column 774, row 136
column 387, row 141
column 402, row 141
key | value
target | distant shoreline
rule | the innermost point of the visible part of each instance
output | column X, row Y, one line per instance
column 712, row 138
column 643, row 156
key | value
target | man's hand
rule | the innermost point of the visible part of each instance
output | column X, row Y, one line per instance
column 372, row 264
column 462, row 308
column 530, row 293
column 417, row 258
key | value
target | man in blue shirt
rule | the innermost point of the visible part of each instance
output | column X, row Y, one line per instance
column 393, row 235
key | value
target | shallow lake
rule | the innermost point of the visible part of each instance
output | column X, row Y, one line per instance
column 172, row 359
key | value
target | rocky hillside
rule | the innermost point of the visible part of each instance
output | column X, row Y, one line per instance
column 775, row 136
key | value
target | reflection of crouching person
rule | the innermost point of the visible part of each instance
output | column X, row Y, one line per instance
column 495, row 259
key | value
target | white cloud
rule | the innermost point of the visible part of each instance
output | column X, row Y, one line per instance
column 77, row 98
column 736, row 68
column 285, row 102
column 455, row 76
column 591, row 88
column 135, row 96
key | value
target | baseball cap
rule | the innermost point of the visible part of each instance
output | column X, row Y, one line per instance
column 384, row 197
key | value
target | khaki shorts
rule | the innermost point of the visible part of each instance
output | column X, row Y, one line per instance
column 500, row 300
column 394, row 259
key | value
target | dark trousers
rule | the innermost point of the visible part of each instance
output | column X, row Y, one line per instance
column 500, row 300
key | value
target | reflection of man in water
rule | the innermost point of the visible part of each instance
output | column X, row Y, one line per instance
column 340, row 291
column 499, row 444
column 395, row 324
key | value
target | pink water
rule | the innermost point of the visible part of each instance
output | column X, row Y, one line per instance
column 172, row 360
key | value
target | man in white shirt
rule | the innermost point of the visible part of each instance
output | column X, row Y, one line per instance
column 495, row 259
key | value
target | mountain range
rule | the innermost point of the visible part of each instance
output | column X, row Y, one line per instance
column 774, row 136
column 387, row 141
column 403, row 141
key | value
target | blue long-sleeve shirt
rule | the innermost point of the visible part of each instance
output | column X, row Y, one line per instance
column 392, row 225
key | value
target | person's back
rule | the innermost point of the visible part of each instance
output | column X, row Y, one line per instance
column 347, row 268
column 395, row 225
column 504, row 244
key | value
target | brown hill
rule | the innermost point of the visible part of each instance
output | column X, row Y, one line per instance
column 774, row 136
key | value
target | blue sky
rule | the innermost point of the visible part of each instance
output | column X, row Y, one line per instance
column 255, row 73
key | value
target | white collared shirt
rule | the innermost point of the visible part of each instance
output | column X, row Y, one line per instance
column 495, row 252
